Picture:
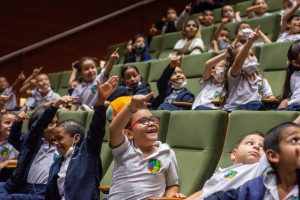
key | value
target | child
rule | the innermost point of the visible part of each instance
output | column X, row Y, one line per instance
column 76, row 174
column 287, row 5
column 30, row 83
column 43, row 94
column 212, row 88
column 131, row 84
column 148, row 167
column 243, row 30
column 7, row 151
column 245, row 86
column 227, row 12
column 282, row 151
column 74, row 79
column 291, row 89
column 191, row 43
column 221, row 38
column 172, row 88
column 290, row 27
column 37, row 154
column 7, row 90
column 259, row 8
column 206, row 19
column 140, row 51
column 86, row 92
column 248, row 162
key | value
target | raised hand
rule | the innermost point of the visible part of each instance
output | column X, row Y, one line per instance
column 139, row 101
column 105, row 89
column 65, row 100
column 36, row 71
column 188, row 7
column 21, row 76
column 254, row 35
column 4, row 99
column 175, row 62
column 115, row 55
column 22, row 116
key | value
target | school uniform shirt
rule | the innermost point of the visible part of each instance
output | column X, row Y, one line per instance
column 7, row 151
column 270, row 183
column 209, row 92
column 295, row 88
column 137, row 177
column 242, row 90
column 12, row 103
column 234, row 176
column 196, row 47
column 39, row 169
column 285, row 37
column 36, row 99
column 87, row 93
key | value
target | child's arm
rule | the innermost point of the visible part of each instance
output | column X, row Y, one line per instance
column 284, row 103
column 8, row 162
column 209, row 64
column 73, row 73
column 238, row 16
column 265, row 38
column 4, row 99
column 220, row 27
column 243, row 54
column 237, row 38
column 113, row 57
column 97, row 128
column 194, row 196
column 27, row 82
column 251, row 10
column 120, row 121
column 21, row 77
column 15, row 137
column 179, row 22
column 287, row 15
column 173, row 191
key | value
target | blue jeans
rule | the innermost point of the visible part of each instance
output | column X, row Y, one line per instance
column 203, row 108
column 28, row 192
column 292, row 107
column 252, row 105
column 167, row 106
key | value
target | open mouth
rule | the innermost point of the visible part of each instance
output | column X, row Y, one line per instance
column 152, row 129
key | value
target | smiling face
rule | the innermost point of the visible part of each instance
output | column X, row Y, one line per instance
column 190, row 29
column 177, row 76
column 43, row 83
column 63, row 140
column 131, row 78
column 249, row 150
column 294, row 25
column 227, row 12
column 6, row 122
column 48, row 132
column 263, row 9
column 143, row 136
column 88, row 70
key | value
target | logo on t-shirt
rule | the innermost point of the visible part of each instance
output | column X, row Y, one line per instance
column 154, row 166
column 4, row 152
column 230, row 175
column 94, row 88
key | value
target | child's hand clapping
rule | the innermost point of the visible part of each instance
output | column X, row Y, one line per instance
column 139, row 101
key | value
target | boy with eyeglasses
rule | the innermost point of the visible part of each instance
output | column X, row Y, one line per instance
column 148, row 167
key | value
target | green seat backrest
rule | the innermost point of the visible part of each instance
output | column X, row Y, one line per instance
column 193, row 85
column 154, row 89
column 276, row 80
column 64, row 79
column 274, row 56
column 25, row 122
column 217, row 15
column 156, row 69
column 242, row 7
column 164, row 116
column 116, row 70
column 196, row 141
column 231, row 27
column 155, row 46
column 111, row 49
column 242, row 123
column 169, row 40
column 274, row 5
column 54, row 80
column 63, row 91
column 270, row 25
column 207, row 34
column 79, row 116
column 165, row 53
column 193, row 65
column 143, row 68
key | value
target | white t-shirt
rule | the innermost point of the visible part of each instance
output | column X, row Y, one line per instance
column 209, row 92
column 242, row 90
column 285, row 37
column 196, row 47
column 136, row 177
column 234, row 176
column 295, row 88
column 36, row 99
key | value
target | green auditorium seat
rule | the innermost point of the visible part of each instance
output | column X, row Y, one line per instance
column 270, row 25
column 168, row 42
column 193, row 85
column 274, row 5
column 54, row 80
column 243, row 122
column 155, row 46
column 79, row 116
column 63, row 91
column 207, row 34
column 164, row 116
column 63, row 83
column 242, row 7
column 156, row 69
column 143, row 68
column 217, row 15
column 111, row 49
column 231, row 27
column 196, row 141
column 116, row 70
column 273, row 62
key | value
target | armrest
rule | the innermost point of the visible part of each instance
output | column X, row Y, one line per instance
column 271, row 101
column 104, row 189
column 164, row 198
column 217, row 103
column 12, row 164
column 183, row 104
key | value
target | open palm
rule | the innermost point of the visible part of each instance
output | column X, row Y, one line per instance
column 108, row 87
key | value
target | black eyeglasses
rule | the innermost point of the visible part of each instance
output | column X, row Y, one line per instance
column 145, row 121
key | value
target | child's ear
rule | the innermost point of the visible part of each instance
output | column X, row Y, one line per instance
column 272, row 156
column 295, row 63
column 128, row 133
column 233, row 155
column 77, row 138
